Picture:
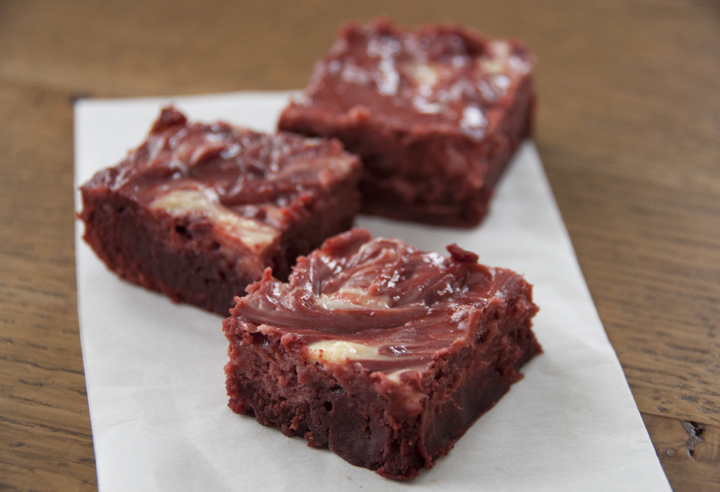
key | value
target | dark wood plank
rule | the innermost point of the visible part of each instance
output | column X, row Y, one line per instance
column 45, row 442
column 689, row 452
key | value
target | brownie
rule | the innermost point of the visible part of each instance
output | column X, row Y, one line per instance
column 378, row 351
column 198, row 211
column 435, row 114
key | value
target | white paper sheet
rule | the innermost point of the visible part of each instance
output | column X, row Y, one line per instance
column 155, row 380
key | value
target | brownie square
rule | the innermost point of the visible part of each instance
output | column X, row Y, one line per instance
column 198, row 211
column 435, row 114
column 378, row 351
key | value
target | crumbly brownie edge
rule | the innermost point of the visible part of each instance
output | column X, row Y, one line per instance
column 176, row 256
column 509, row 340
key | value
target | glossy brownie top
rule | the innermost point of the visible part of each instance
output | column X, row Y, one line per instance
column 249, row 184
column 442, row 76
column 381, row 302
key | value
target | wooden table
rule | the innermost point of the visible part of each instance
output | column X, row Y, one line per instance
column 628, row 130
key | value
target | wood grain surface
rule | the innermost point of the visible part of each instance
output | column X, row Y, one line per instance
column 628, row 130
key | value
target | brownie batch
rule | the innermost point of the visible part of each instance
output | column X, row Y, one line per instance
column 372, row 348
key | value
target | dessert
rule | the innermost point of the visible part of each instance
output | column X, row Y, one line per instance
column 198, row 211
column 381, row 352
column 435, row 114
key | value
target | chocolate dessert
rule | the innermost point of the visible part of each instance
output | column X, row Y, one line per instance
column 198, row 211
column 435, row 114
column 378, row 351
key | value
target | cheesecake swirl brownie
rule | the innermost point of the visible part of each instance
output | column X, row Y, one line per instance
column 435, row 114
column 198, row 211
column 379, row 351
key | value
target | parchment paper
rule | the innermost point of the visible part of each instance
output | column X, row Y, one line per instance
column 154, row 369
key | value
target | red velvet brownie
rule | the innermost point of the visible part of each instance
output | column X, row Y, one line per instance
column 381, row 352
column 435, row 114
column 198, row 211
